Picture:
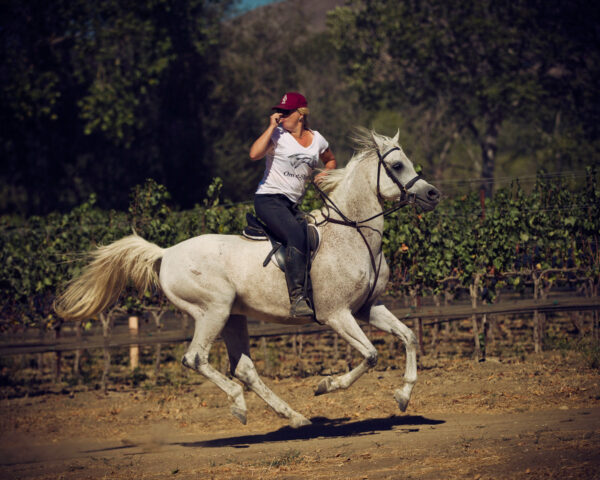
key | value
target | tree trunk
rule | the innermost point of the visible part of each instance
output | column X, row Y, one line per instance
column 488, row 158
column 442, row 164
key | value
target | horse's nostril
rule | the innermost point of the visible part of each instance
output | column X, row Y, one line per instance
column 433, row 194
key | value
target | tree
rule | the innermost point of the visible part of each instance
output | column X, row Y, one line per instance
column 97, row 96
column 480, row 63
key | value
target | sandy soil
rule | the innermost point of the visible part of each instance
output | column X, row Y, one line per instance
column 537, row 417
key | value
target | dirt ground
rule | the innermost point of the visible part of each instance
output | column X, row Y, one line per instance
column 533, row 417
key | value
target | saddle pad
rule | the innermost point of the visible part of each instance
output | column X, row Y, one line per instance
column 255, row 230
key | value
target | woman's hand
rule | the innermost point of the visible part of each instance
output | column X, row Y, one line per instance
column 259, row 148
column 275, row 118
column 328, row 159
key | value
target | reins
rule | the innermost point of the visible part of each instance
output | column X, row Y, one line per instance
column 405, row 199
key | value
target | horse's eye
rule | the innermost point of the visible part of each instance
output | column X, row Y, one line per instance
column 398, row 166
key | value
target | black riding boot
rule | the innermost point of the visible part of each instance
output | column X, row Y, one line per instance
column 296, row 276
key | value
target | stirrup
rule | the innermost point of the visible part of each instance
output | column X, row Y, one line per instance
column 301, row 308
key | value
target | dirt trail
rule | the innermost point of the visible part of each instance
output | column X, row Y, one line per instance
column 549, row 443
column 534, row 419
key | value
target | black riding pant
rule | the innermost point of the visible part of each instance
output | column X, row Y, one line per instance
column 282, row 218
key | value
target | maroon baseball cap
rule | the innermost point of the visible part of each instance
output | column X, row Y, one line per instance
column 291, row 101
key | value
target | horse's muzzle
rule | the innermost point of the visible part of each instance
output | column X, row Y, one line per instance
column 429, row 198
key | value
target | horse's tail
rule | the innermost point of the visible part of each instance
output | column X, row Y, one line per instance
column 103, row 279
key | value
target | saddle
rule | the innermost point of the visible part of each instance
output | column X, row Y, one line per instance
column 256, row 230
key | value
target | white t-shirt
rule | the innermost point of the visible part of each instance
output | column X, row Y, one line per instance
column 289, row 164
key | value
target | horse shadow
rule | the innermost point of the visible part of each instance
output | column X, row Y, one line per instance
column 321, row 427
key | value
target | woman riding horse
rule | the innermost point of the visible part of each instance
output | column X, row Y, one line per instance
column 292, row 151
column 219, row 280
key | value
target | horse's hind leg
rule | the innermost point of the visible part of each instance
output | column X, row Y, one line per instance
column 209, row 324
column 385, row 320
column 235, row 335
column 345, row 325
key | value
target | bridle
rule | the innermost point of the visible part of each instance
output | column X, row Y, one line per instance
column 403, row 188
column 406, row 198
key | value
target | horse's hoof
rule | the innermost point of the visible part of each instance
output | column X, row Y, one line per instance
column 401, row 399
column 299, row 421
column 324, row 386
column 238, row 413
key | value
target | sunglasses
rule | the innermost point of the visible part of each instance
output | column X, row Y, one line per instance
column 284, row 113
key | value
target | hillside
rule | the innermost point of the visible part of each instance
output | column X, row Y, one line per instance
column 314, row 12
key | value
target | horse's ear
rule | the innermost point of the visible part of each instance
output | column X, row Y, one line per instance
column 378, row 140
column 396, row 137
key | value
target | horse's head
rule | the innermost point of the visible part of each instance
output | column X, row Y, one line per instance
column 396, row 175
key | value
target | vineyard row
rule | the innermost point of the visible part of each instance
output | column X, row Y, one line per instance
column 529, row 242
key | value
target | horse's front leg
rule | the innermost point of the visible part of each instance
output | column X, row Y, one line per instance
column 345, row 325
column 382, row 318
column 235, row 335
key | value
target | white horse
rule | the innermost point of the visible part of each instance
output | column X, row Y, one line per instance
column 220, row 279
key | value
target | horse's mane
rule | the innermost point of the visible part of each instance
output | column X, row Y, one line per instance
column 364, row 141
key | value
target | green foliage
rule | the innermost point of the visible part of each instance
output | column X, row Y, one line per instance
column 217, row 218
column 550, row 229
column 149, row 212
column 124, row 53
column 514, row 234
column 96, row 96
column 40, row 254
column 464, row 69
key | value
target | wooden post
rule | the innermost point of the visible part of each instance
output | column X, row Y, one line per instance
column 78, row 352
column 348, row 357
column 157, row 316
column 418, row 322
column 473, row 290
column 544, row 290
column 105, row 319
column 336, row 353
column 265, row 353
column 134, row 350
column 484, row 336
column 450, row 326
column 490, row 337
column 537, row 330
column 40, row 356
column 595, row 314
column 420, row 335
column 301, row 366
column 436, row 326
column 58, row 355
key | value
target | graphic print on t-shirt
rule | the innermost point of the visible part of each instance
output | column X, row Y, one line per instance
column 299, row 159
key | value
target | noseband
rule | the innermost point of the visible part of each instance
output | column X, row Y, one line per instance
column 404, row 195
